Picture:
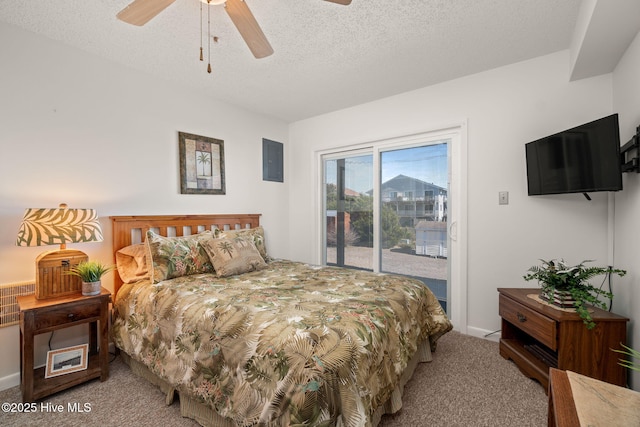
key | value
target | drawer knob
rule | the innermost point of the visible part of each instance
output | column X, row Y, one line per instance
column 70, row 315
column 521, row 317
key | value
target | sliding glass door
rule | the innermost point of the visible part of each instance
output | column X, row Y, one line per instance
column 386, row 209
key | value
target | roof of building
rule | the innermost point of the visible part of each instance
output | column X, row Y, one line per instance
column 402, row 183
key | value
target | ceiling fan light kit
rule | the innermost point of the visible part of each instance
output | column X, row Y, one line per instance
column 139, row 12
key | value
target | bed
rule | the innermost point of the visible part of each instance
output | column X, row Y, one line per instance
column 248, row 340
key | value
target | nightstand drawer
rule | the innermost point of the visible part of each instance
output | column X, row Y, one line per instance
column 62, row 314
column 531, row 322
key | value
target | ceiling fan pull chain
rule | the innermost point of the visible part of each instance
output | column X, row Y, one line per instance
column 209, row 34
column 201, row 58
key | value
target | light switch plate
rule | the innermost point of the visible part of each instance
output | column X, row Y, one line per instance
column 503, row 197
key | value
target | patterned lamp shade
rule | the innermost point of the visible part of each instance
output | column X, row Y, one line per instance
column 59, row 226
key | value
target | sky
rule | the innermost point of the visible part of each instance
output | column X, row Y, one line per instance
column 428, row 163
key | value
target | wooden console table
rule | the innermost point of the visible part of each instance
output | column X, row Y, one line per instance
column 576, row 401
column 538, row 336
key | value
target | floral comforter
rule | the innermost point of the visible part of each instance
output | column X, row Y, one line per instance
column 290, row 345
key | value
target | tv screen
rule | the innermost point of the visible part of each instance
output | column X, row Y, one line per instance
column 583, row 159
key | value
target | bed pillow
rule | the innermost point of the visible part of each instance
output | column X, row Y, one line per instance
column 235, row 255
column 257, row 234
column 131, row 263
column 177, row 256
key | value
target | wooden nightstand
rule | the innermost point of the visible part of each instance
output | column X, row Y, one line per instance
column 41, row 316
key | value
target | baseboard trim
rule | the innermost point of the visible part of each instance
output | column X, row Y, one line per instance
column 483, row 333
column 9, row 381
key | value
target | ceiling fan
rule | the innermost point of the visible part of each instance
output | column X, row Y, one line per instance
column 139, row 12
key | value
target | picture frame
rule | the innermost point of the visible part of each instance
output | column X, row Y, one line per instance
column 66, row 360
column 201, row 164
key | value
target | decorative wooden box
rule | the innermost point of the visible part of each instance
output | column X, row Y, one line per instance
column 52, row 278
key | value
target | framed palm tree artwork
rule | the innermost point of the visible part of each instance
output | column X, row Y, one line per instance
column 201, row 164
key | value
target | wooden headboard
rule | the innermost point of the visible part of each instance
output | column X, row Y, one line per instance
column 129, row 230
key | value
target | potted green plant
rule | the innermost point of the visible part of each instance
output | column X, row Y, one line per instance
column 90, row 272
column 568, row 286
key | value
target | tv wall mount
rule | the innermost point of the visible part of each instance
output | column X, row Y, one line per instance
column 629, row 154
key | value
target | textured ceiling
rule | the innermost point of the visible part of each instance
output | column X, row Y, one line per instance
column 327, row 56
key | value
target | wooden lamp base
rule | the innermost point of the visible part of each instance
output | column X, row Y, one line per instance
column 52, row 278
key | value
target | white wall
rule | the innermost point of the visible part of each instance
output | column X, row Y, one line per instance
column 626, row 99
column 81, row 130
column 504, row 109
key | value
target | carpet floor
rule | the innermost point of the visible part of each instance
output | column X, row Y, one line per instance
column 467, row 384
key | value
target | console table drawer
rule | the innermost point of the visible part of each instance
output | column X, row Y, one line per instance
column 537, row 325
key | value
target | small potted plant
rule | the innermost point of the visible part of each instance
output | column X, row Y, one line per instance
column 568, row 286
column 90, row 272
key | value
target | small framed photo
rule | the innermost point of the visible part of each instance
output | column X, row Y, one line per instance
column 66, row 360
column 201, row 164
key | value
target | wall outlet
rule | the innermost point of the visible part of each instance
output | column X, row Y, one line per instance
column 503, row 197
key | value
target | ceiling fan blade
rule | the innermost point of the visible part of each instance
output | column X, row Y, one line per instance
column 248, row 27
column 139, row 12
column 344, row 2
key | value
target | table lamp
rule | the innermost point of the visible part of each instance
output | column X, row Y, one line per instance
column 58, row 226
